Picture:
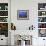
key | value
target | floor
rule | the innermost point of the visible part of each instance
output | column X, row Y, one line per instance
column 3, row 45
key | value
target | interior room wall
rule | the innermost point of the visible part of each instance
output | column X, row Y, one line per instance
column 25, row 5
column 32, row 6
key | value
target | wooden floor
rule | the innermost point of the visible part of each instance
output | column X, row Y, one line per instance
column 3, row 45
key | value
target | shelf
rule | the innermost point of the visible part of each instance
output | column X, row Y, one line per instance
column 41, row 10
column 42, row 19
column 42, row 16
column 41, row 22
column 41, row 28
column 3, row 13
column 3, row 10
column 4, row 19
column 3, row 16
column 3, row 22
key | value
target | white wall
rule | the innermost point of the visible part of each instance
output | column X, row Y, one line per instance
column 32, row 6
column 27, row 5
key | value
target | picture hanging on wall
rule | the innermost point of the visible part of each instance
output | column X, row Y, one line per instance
column 22, row 14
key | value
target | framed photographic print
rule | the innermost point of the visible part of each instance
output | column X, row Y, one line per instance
column 22, row 14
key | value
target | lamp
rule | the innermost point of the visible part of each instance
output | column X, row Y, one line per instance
column 13, row 27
